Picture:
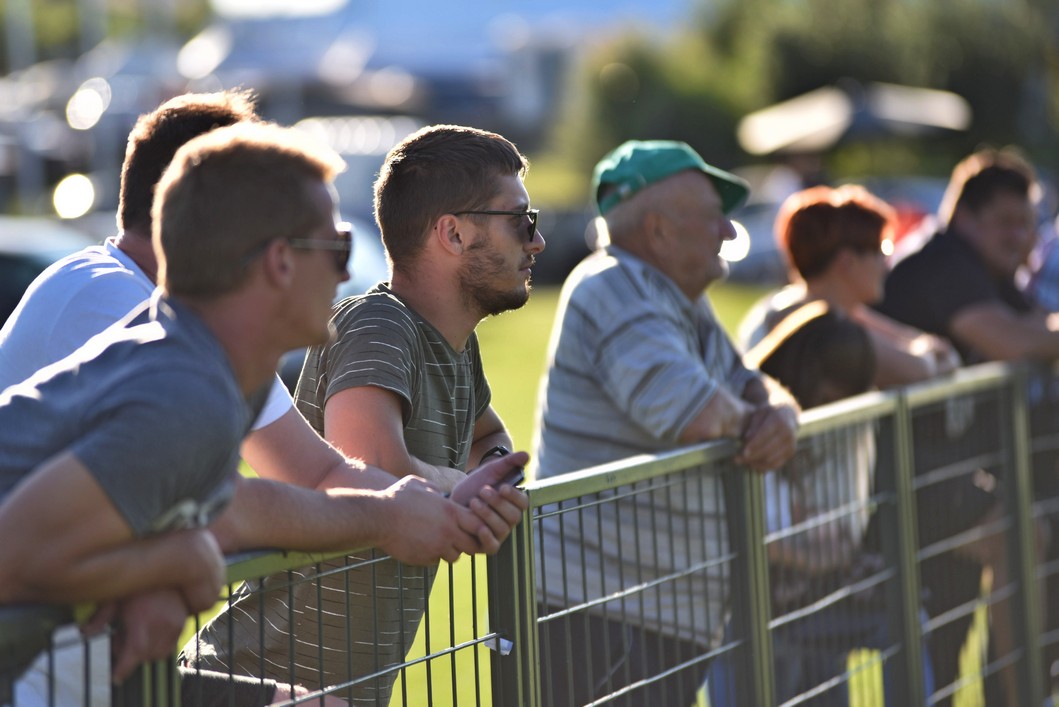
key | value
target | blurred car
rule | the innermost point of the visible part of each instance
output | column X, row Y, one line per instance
column 28, row 245
column 367, row 267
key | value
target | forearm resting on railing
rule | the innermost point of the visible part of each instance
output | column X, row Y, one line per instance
column 723, row 415
column 188, row 561
column 75, row 546
column 411, row 520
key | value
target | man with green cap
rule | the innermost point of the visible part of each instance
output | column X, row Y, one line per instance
column 639, row 364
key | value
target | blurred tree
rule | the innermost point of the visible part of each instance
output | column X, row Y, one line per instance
column 994, row 54
column 746, row 54
column 629, row 87
column 57, row 24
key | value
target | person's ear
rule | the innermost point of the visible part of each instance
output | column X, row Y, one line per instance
column 277, row 263
column 655, row 232
column 446, row 233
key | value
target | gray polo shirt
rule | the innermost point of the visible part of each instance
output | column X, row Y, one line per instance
column 632, row 361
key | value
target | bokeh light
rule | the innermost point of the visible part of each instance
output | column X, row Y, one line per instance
column 73, row 196
column 739, row 247
column 88, row 104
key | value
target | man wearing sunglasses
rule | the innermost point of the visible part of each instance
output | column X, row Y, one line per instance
column 83, row 294
column 402, row 386
column 171, row 391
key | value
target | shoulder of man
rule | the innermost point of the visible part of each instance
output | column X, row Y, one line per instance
column 603, row 280
column 376, row 301
column 90, row 278
column 919, row 252
column 373, row 314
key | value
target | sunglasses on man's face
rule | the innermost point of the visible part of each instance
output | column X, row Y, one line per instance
column 343, row 245
column 530, row 214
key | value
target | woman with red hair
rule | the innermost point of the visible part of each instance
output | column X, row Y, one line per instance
column 835, row 241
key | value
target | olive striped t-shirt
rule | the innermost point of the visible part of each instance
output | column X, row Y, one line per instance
column 380, row 341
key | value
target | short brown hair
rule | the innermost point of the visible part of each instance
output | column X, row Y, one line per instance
column 158, row 135
column 813, row 225
column 228, row 192
column 437, row 170
column 979, row 177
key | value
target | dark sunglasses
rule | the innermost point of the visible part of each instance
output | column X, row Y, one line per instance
column 531, row 214
column 343, row 245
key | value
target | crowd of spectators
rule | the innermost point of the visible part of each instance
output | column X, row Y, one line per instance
column 134, row 375
column 637, row 364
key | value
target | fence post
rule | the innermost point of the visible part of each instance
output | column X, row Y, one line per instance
column 513, row 616
column 751, row 605
column 899, row 538
column 1022, row 541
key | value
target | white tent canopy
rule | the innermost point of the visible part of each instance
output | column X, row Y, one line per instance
column 818, row 120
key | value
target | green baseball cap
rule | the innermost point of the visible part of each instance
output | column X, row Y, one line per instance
column 637, row 163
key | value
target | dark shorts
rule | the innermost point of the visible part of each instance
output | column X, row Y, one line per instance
column 203, row 688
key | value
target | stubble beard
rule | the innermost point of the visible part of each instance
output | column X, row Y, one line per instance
column 481, row 268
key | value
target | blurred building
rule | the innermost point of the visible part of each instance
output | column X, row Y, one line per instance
column 497, row 64
column 365, row 73
column 494, row 64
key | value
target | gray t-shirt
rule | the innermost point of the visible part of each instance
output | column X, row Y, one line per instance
column 364, row 619
column 150, row 406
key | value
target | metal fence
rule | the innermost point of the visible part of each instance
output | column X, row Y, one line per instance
column 909, row 526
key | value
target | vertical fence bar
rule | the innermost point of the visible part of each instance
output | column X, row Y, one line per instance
column 1022, row 541
column 154, row 684
column 751, row 606
column 897, row 522
column 513, row 616
column 166, row 680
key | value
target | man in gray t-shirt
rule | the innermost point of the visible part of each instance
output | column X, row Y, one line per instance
column 381, row 342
